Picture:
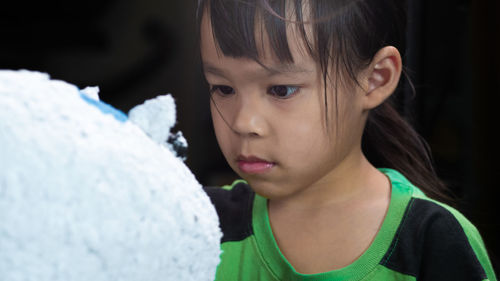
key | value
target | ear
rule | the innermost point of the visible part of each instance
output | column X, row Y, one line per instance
column 381, row 77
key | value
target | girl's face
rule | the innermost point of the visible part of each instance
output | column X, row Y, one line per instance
column 270, row 121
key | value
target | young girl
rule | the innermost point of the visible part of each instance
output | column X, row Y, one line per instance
column 300, row 100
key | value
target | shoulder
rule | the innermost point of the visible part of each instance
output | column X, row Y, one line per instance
column 233, row 204
column 436, row 242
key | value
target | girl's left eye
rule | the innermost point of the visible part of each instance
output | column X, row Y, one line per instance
column 283, row 91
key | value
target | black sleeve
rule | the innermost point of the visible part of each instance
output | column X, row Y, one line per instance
column 234, row 208
column 431, row 245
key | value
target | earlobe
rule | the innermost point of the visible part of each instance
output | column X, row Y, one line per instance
column 382, row 76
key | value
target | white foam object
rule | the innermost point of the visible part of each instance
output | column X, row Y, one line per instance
column 92, row 92
column 85, row 196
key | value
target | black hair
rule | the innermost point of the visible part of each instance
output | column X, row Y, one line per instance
column 346, row 35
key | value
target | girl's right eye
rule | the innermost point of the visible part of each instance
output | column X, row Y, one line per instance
column 222, row 90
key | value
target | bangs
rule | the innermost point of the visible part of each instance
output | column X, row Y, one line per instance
column 342, row 35
column 236, row 24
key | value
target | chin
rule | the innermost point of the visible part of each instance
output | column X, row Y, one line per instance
column 267, row 189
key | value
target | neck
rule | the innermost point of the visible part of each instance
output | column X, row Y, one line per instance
column 354, row 179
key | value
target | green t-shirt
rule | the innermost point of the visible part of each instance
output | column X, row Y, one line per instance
column 420, row 239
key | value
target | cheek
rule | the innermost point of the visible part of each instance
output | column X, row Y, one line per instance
column 219, row 125
column 308, row 139
column 305, row 136
column 222, row 131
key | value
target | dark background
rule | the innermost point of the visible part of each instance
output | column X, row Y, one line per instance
column 135, row 50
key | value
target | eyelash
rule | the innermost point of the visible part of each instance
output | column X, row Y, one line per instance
column 295, row 89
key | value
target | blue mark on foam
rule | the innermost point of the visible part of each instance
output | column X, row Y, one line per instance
column 105, row 108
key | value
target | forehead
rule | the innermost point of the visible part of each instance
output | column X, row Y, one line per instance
column 266, row 56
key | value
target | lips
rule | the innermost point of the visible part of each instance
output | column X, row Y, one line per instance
column 254, row 165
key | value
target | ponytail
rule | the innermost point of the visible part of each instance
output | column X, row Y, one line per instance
column 389, row 141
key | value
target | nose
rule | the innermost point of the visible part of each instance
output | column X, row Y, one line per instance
column 248, row 118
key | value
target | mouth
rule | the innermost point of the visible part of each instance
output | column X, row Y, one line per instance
column 254, row 165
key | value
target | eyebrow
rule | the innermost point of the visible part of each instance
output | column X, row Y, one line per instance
column 283, row 68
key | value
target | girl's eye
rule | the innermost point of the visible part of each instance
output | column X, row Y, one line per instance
column 221, row 89
column 283, row 91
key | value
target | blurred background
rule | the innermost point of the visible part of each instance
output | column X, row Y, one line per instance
column 135, row 50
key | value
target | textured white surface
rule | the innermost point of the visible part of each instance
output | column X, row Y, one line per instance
column 92, row 92
column 85, row 197
column 155, row 117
